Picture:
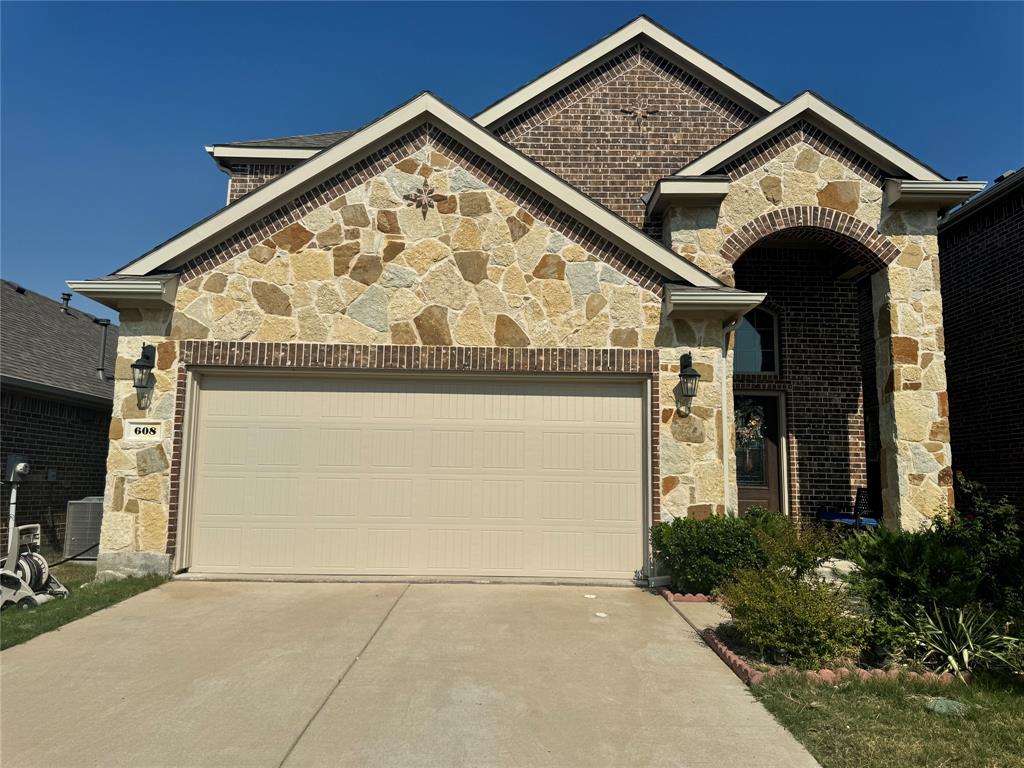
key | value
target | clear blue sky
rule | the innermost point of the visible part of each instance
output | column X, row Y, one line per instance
column 106, row 107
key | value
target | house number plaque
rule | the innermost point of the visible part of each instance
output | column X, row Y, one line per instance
column 142, row 431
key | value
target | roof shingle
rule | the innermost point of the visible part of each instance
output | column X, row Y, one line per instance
column 41, row 345
column 304, row 141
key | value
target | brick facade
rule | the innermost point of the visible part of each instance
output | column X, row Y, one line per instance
column 248, row 177
column 582, row 134
column 63, row 441
column 983, row 285
column 820, row 372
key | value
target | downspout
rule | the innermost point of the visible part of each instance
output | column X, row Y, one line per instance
column 101, row 364
column 727, row 328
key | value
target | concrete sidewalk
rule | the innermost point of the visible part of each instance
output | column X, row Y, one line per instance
column 240, row 674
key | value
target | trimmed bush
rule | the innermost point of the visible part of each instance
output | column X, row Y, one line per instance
column 701, row 555
column 801, row 621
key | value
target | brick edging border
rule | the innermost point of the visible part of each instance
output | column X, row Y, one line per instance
column 689, row 597
column 827, row 676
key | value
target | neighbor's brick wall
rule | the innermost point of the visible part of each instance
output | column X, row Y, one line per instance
column 820, row 371
column 581, row 133
column 248, row 177
column 982, row 266
column 53, row 435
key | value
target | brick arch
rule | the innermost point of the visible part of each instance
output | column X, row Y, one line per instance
column 827, row 226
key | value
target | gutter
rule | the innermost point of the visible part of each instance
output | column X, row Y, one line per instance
column 117, row 292
column 912, row 193
column 686, row 190
column 727, row 304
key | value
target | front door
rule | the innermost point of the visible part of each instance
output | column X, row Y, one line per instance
column 757, row 451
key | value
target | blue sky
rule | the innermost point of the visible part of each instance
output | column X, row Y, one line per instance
column 106, row 107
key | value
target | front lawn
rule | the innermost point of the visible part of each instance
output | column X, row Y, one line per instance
column 887, row 724
column 87, row 596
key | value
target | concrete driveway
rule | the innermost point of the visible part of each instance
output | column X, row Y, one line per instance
column 288, row 674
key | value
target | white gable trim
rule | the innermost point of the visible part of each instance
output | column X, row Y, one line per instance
column 815, row 110
column 689, row 58
column 424, row 108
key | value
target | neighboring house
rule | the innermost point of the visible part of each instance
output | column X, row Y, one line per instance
column 56, row 390
column 451, row 345
column 984, row 343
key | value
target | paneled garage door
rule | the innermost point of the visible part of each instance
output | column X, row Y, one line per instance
column 418, row 475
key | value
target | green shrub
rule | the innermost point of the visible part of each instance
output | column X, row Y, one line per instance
column 701, row 555
column 786, row 546
column 962, row 640
column 968, row 560
column 803, row 621
column 992, row 535
column 899, row 570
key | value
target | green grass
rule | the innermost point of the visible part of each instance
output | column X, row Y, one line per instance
column 885, row 724
column 17, row 625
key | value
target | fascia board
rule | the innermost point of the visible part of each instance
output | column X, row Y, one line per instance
column 219, row 152
column 730, row 83
column 421, row 109
column 810, row 107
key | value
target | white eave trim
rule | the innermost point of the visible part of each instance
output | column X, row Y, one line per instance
column 816, row 111
column 904, row 193
column 687, row 191
column 423, row 108
column 227, row 152
column 708, row 70
column 118, row 293
column 683, row 301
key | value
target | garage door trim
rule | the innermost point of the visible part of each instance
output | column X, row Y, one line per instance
column 196, row 375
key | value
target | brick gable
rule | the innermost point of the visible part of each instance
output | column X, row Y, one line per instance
column 581, row 133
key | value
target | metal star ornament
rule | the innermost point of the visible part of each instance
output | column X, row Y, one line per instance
column 639, row 112
column 424, row 198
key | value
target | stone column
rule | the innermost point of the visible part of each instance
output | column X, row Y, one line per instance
column 693, row 482
column 133, row 538
column 911, row 375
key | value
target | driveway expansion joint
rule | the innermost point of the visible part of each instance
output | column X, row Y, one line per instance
column 341, row 679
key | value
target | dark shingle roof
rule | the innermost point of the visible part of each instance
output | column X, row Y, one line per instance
column 307, row 141
column 42, row 346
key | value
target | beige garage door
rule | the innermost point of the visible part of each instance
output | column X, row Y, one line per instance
column 418, row 475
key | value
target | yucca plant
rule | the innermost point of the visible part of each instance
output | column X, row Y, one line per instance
column 961, row 640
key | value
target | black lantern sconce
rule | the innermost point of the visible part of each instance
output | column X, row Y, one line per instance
column 142, row 375
column 688, row 380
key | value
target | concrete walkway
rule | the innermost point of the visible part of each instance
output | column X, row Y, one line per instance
column 270, row 675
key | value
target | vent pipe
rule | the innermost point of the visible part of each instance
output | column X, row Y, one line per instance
column 65, row 300
column 102, row 362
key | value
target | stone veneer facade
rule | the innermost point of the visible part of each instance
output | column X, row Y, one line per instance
column 352, row 274
column 369, row 275
column 801, row 185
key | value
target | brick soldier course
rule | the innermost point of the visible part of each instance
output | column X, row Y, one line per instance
column 437, row 249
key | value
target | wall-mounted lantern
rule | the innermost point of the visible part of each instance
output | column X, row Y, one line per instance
column 688, row 380
column 142, row 375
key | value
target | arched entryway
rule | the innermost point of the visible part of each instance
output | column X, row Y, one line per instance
column 805, row 392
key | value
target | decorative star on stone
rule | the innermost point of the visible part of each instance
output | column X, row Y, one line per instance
column 424, row 198
column 639, row 112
